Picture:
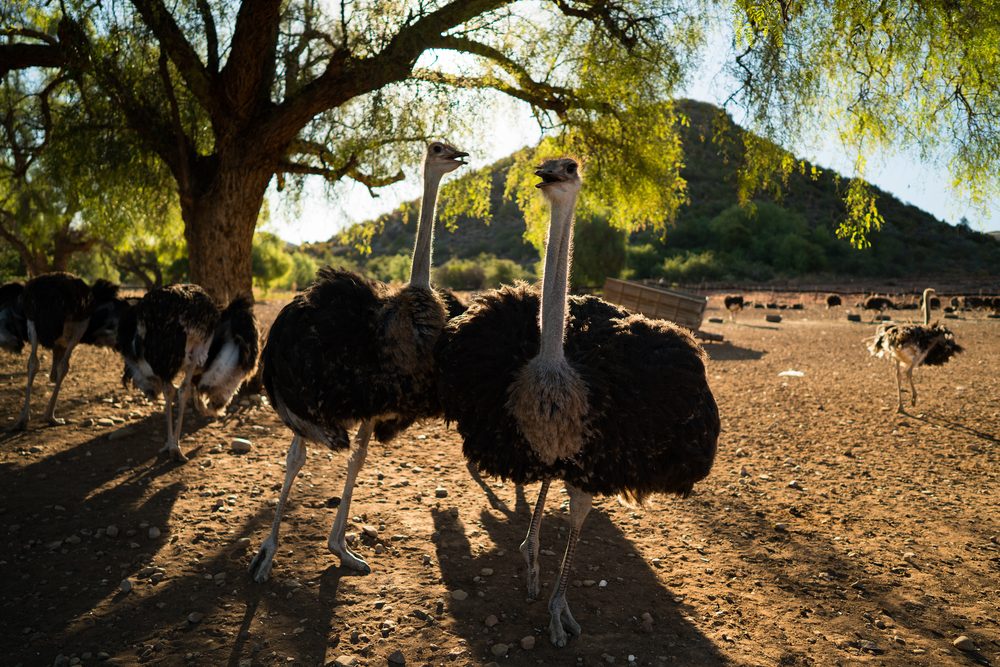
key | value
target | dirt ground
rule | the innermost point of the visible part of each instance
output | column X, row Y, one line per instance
column 832, row 531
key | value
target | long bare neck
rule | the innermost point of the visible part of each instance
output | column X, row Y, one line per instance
column 925, row 305
column 420, row 268
column 555, row 280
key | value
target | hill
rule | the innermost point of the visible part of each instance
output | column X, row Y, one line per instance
column 791, row 237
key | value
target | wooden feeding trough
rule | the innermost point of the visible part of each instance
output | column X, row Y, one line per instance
column 659, row 303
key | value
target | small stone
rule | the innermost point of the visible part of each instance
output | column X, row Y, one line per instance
column 795, row 484
column 963, row 643
column 780, row 527
column 241, row 445
column 345, row 661
column 491, row 620
column 370, row 531
column 459, row 595
column 72, row 539
column 397, row 658
column 499, row 649
column 104, row 421
column 440, row 492
column 242, row 543
column 195, row 617
column 589, row 582
column 528, row 643
column 154, row 532
column 379, row 549
column 126, row 585
column 112, row 531
column 866, row 645
column 486, row 571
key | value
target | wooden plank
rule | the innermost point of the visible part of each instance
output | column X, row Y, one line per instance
column 656, row 302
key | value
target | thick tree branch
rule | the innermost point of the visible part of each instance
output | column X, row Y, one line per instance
column 211, row 36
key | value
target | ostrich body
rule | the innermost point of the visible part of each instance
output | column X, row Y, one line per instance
column 61, row 311
column 913, row 345
column 608, row 402
column 832, row 301
column 734, row 304
column 167, row 333
column 877, row 304
column 13, row 325
column 351, row 350
column 232, row 357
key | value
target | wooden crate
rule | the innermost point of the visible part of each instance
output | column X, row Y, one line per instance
column 657, row 302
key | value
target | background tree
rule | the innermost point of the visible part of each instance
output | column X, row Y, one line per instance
column 232, row 95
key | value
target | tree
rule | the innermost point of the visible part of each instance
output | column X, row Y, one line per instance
column 893, row 74
column 232, row 95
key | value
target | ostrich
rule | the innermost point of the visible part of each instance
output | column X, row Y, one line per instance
column 61, row 311
column 608, row 402
column 13, row 326
column 912, row 345
column 232, row 358
column 734, row 304
column 877, row 304
column 350, row 350
column 832, row 301
column 169, row 331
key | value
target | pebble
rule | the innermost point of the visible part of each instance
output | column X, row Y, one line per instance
column 379, row 549
column 154, row 532
column 963, row 643
column 491, row 620
column 398, row 658
column 104, row 421
column 780, row 527
column 112, row 531
column 459, row 595
column 589, row 582
column 72, row 539
column 195, row 617
column 345, row 661
column 126, row 585
column 499, row 649
column 241, row 445
column 486, row 571
column 370, row 531
column 440, row 492
column 528, row 643
column 242, row 543
column 120, row 434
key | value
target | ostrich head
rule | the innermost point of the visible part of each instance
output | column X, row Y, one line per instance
column 442, row 158
column 561, row 181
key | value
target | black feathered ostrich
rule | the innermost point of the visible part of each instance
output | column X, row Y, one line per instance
column 13, row 325
column 734, row 304
column 877, row 304
column 170, row 331
column 61, row 311
column 913, row 345
column 350, row 350
column 232, row 358
column 608, row 402
column 832, row 301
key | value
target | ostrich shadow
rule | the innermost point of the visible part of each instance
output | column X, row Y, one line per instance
column 937, row 420
column 492, row 572
column 728, row 352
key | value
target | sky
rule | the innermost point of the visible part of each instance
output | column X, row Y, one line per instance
column 904, row 175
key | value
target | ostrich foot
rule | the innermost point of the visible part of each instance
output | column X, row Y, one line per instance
column 55, row 421
column 260, row 566
column 347, row 558
column 19, row 425
column 562, row 620
column 174, row 450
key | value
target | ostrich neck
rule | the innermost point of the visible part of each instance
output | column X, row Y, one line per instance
column 925, row 306
column 420, row 268
column 555, row 280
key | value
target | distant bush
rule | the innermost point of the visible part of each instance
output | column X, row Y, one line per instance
column 692, row 268
column 643, row 261
column 302, row 273
column 268, row 260
column 463, row 274
column 390, row 267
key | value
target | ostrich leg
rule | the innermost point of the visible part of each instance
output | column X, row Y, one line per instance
column 336, row 542
column 60, row 365
column 899, row 388
column 169, row 393
column 175, row 448
column 33, row 364
column 562, row 619
column 529, row 548
column 260, row 566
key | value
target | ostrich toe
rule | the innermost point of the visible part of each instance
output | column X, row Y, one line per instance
column 562, row 621
column 174, row 450
column 260, row 566
column 347, row 557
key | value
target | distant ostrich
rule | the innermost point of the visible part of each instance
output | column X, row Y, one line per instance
column 351, row 350
column 232, row 358
column 912, row 345
column 61, row 311
column 13, row 325
column 877, row 304
column 611, row 403
column 832, row 301
column 734, row 304
column 168, row 332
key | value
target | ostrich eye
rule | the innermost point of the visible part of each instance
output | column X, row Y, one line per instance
column 437, row 149
column 571, row 169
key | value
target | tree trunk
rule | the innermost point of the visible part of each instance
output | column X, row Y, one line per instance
column 219, row 226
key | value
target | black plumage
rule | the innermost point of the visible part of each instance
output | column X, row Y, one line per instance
column 350, row 350
column 734, row 304
column 832, row 301
column 232, row 357
column 452, row 304
column 13, row 325
column 61, row 311
column 913, row 345
column 167, row 333
column 877, row 304
column 610, row 403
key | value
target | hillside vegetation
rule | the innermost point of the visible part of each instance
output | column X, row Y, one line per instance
column 788, row 236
